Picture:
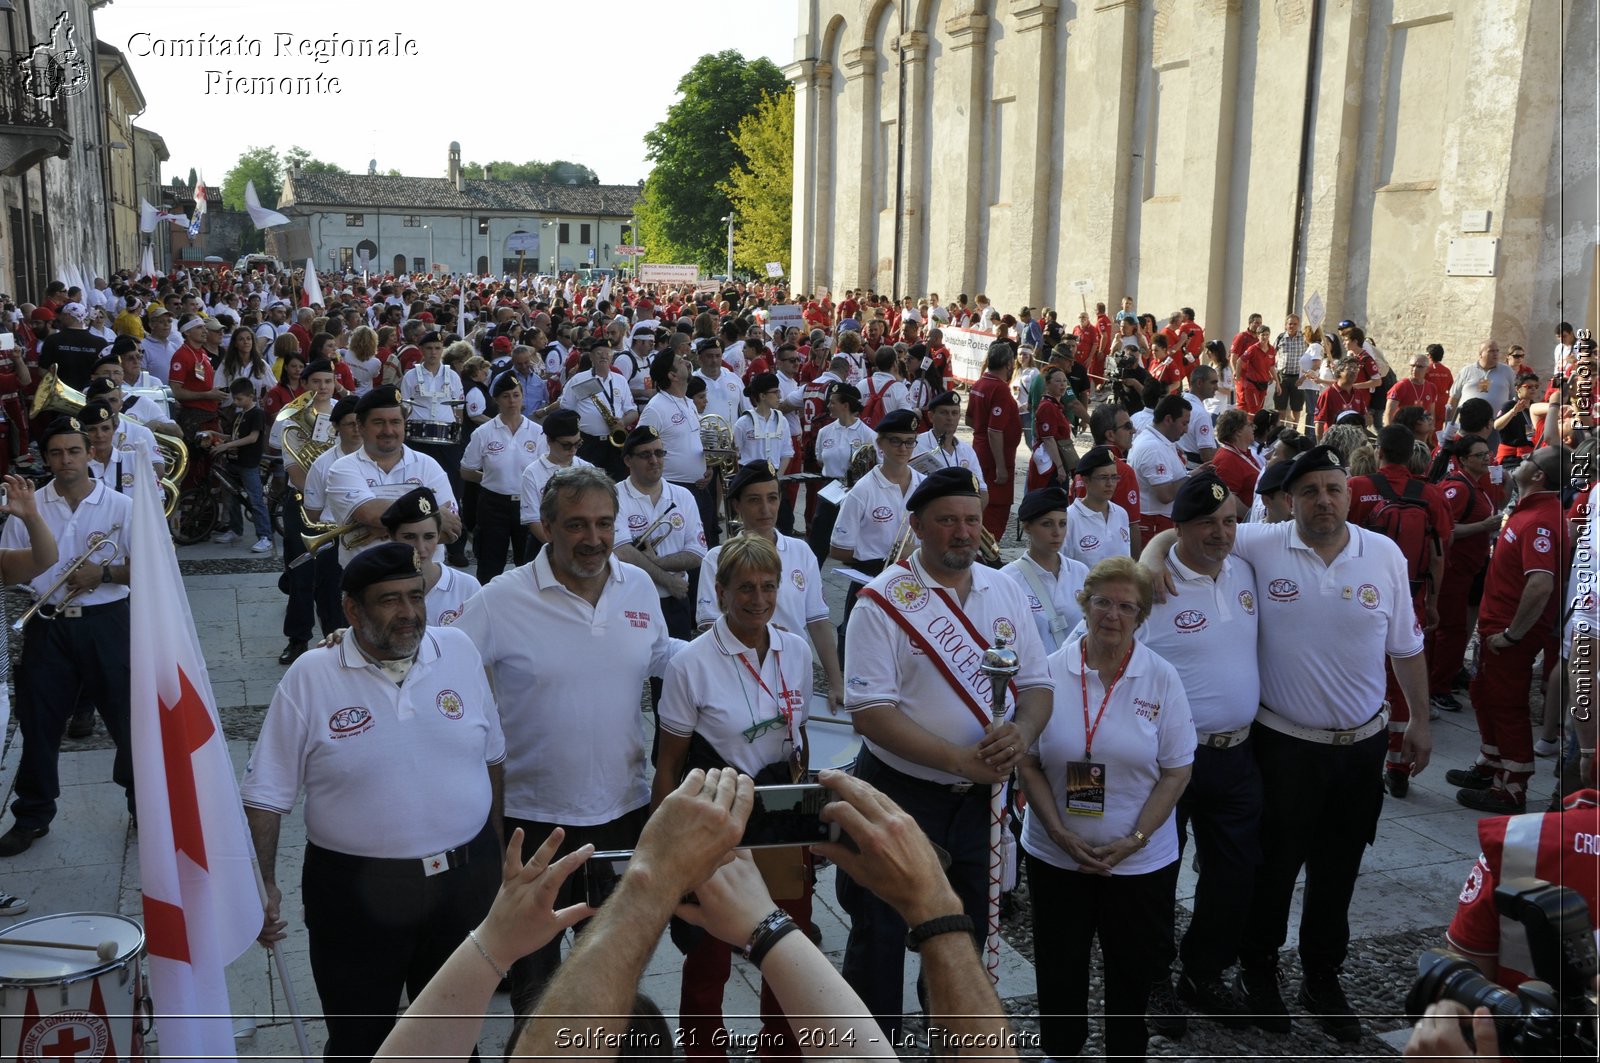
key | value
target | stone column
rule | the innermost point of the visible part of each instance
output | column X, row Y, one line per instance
column 1033, row 56
column 1335, row 162
column 959, row 103
column 1208, row 155
column 857, row 126
column 913, row 179
column 803, row 224
column 820, row 255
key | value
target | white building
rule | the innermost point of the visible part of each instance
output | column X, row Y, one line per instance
column 449, row 224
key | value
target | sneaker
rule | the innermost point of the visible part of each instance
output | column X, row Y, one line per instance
column 226, row 538
column 1323, row 997
column 1542, row 748
column 1444, row 703
column 262, row 546
column 1262, row 993
column 1494, row 802
column 1162, row 1012
column 1434, row 711
column 1470, row 778
column 1211, row 995
column 10, row 905
column 1397, row 782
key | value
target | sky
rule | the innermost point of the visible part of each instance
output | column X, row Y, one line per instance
column 518, row 80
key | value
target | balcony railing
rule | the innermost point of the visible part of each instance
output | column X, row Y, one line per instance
column 30, row 91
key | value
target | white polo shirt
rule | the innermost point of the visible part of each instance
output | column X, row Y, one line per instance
column 449, row 595
column 314, row 496
column 884, row 669
column 355, row 479
column 892, row 388
column 835, row 444
column 724, row 396
column 962, row 457
column 103, row 514
column 535, row 476
column 800, row 598
column 1208, row 631
column 1199, row 436
column 429, row 392
column 1359, row 608
column 613, row 391
column 1062, row 589
column 709, row 690
column 676, row 422
column 1146, row 727
column 791, row 390
column 766, row 439
column 117, row 473
column 570, row 697
column 388, row 771
column 1155, row 460
column 501, row 454
column 870, row 516
column 1092, row 537
column 636, row 512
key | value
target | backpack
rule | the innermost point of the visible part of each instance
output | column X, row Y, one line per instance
column 873, row 411
column 1403, row 519
column 814, row 416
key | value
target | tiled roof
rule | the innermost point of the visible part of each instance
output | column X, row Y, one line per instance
column 309, row 190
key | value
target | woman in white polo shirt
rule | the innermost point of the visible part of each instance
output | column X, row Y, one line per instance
column 1099, row 836
column 1050, row 580
column 413, row 519
column 736, row 697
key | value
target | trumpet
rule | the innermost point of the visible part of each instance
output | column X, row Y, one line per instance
column 323, row 534
column 41, row 607
column 647, row 540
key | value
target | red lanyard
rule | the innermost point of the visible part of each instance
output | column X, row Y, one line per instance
column 1088, row 731
column 783, row 702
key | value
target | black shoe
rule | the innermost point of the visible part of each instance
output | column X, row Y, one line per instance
column 81, row 725
column 291, row 651
column 1323, row 997
column 1211, row 995
column 1494, row 802
column 1469, row 778
column 1262, row 993
column 1398, row 783
column 1462, row 681
column 1162, row 1013
column 19, row 838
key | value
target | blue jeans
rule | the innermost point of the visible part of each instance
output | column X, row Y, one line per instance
column 250, row 481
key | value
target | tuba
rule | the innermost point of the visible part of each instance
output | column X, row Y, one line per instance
column 716, row 440
column 300, row 414
column 55, row 397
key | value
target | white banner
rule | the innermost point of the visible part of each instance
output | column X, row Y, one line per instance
column 669, row 275
column 968, row 349
column 784, row 316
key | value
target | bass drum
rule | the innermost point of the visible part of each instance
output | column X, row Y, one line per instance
column 71, row 1003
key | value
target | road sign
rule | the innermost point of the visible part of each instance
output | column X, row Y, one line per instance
column 591, row 256
column 527, row 242
column 628, row 249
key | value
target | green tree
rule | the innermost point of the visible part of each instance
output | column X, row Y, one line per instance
column 558, row 172
column 761, row 187
column 694, row 152
column 298, row 156
column 260, row 165
column 194, row 178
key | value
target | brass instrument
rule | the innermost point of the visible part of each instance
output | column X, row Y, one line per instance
column 616, row 435
column 644, row 542
column 321, row 534
column 863, row 459
column 300, row 414
column 55, row 397
column 716, row 440
column 45, row 611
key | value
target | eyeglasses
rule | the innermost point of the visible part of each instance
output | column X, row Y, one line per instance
column 904, row 442
column 756, row 730
column 1126, row 610
column 1125, row 426
column 650, row 455
column 1105, row 479
column 565, row 444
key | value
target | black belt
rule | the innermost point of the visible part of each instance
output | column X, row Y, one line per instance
column 79, row 612
column 964, row 788
column 417, row 867
column 486, row 495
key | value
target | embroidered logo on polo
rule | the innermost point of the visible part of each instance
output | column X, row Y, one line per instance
column 1368, row 596
column 798, row 577
column 1190, row 620
column 1035, row 604
column 449, row 705
column 999, row 411
column 1005, row 629
column 677, row 418
column 637, row 522
column 1247, row 601
column 907, row 592
column 677, row 521
column 637, row 618
column 883, row 514
column 1541, row 543
column 352, row 720
column 1088, row 542
column 530, row 446
column 1283, row 590
column 495, row 447
column 448, row 617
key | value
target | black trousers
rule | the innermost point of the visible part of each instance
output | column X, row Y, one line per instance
column 448, row 455
column 1132, row 915
column 1320, row 806
column 299, row 612
column 820, row 530
column 705, row 500
column 499, row 526
column 597, row 451
column 327, row 572
column 871, row 568
column 63, row 660
column 378, row 927
column 1222, row 805
column 532, row 973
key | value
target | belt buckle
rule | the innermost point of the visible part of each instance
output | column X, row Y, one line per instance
column 1343, row 738
column 69, row 612
column 961, row 787
column 437, row 864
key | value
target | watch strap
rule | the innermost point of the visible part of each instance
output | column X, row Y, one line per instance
column 943, row 924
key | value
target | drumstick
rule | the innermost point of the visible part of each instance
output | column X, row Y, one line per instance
column 105, row 950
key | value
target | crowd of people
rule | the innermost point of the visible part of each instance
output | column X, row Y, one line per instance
column 626, row 465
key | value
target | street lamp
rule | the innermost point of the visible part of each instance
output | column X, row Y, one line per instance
column 430, row 248
column 729, row 219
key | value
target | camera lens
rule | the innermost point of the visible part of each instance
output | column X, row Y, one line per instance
column 1443, row 975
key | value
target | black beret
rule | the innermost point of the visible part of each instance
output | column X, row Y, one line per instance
column 410, row 508
column 1044, row 500
column 1273, row 479
column 376, row 564
column 755, row 472
column 760, row 384
column 343, row 408
column 846, row 393
column 382, row 397
column 1096, row 458
column 1317, row 459
column 94, row 413
column 639, row 437
column 561, row 424
column 60, row 426
column 320, row 365
column 504, row 383
column 1198, row 496
column 945, row 398
column 899, row 421
column 99, row 386
column 431, row 336
column 951, row 482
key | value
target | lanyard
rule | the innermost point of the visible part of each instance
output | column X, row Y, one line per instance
column 1088, row 731
column 782, row 703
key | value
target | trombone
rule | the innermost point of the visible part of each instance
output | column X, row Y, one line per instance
column 40, row 606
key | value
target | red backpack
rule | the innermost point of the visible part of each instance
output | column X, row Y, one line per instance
column 1403, row 519
column 814, row 416
column 873, row 411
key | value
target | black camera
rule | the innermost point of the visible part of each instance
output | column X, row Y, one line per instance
column 1549, row 1017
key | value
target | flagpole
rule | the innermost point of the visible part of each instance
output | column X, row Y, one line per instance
column 284, row 981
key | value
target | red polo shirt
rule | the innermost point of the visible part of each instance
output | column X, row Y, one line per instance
column 1531, row 541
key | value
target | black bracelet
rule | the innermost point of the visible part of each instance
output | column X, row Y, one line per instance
column 759, row 937
column 764, row 946
column 943, row 924
column 1507, row 636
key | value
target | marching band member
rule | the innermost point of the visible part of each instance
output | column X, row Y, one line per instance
column 761, row 433
column 671, row 413
column 312, row 589
column 928, row 740
column 755, row 496
column 1048, row 578
column 435, row 400
column 113, row 442
column 313, row 500
column 84, row 650
column 414, row 520
column 496, row 455
column 952, row 452
column 836, row 441
column 561, row 441
column 659, row 528
column 724, row 392
column 613, row 394
column 737, row 697
column 1096, row 529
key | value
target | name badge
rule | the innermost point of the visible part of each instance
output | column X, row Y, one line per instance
column 1086, row 788
column 322, row 431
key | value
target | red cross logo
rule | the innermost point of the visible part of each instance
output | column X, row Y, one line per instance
column 66, row 1045
column 436, row 865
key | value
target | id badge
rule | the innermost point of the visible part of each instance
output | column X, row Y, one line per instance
column 322, row 431
column 1086, row 788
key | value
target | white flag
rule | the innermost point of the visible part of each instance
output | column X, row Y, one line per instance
column 313, row 287
column 261, row 217
column 202, row 908
column 605, row 290
column 147, row 263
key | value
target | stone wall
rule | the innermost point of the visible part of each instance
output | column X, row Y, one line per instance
column 1230, row 155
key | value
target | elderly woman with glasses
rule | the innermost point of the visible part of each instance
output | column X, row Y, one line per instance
column 1099, row 836
column 737, row 697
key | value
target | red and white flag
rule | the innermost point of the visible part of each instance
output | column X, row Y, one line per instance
column 202, row 907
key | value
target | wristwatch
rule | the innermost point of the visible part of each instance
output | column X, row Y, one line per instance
column 105, row 573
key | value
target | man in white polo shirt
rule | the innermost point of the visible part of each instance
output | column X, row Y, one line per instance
column 1199, row 439
column 1096, row 529
column 569, row 699
column 499, row 450
column 658, row 528
column 1158, row 464
column 394, row 737
column 361, row 485
column 1321, row 733
column 672, row 414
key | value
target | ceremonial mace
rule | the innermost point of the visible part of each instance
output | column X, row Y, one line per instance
column 1001, row 665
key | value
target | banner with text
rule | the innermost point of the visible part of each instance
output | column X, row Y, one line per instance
column 968, row 349
column 669, row 275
